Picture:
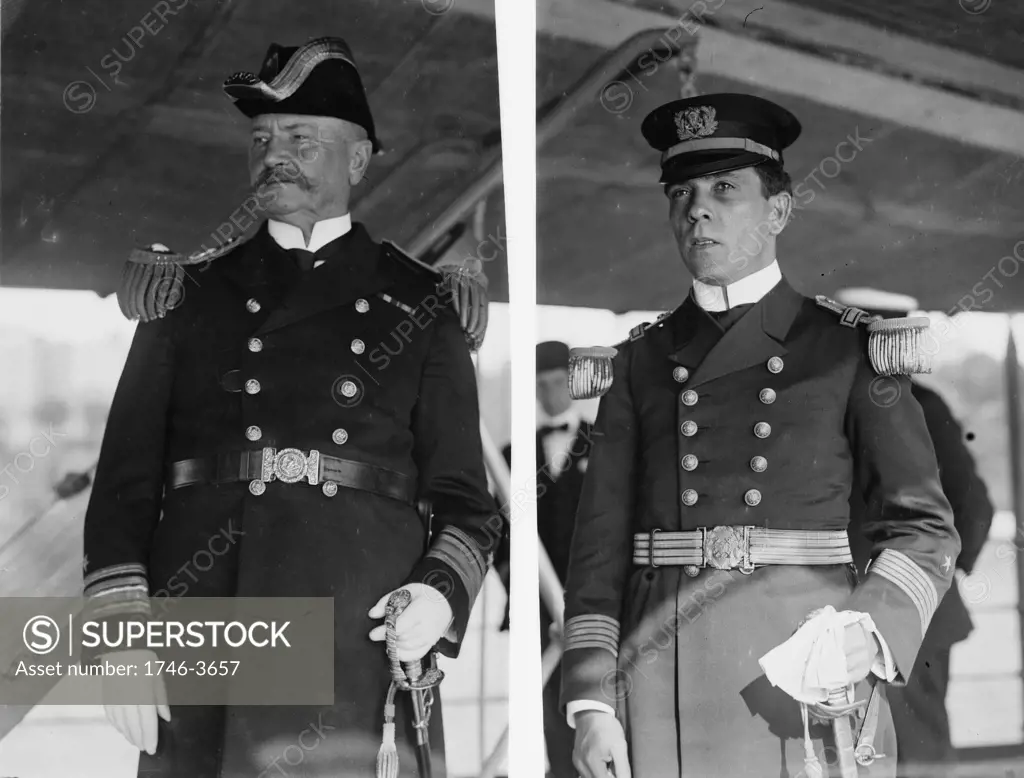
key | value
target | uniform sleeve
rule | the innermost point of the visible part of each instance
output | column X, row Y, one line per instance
column 125, row 504
column 966, row 491
column 908, row 520
column 449, row 456
column 601, row 550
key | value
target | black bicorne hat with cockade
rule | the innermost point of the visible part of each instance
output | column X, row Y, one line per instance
column 319, row 78
column 716, row 133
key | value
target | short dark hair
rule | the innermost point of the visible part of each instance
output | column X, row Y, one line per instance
column 774, row 178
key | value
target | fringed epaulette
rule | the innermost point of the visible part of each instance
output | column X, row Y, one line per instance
column 590, row 369
column 895, row 346
column 153, row 279
column 468, row 291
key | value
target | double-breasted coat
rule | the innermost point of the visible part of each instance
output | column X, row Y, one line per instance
column 361, row 358
column 768, row 424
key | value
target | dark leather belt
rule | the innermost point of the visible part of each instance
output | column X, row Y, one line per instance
column 292, row 466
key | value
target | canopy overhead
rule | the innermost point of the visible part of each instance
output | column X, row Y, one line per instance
column 910, row 170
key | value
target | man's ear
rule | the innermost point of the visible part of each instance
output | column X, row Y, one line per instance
column 781, row 205
column 360, row 152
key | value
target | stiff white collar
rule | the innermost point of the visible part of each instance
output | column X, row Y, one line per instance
column 288, row 236
column 748, row 289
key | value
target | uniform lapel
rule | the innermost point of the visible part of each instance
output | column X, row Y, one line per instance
column 694, row 334
column 260, row 268
column 755, row 338
column 354, row 267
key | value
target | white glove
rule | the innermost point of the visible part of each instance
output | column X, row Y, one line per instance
column 419, row 627
column 137, row 721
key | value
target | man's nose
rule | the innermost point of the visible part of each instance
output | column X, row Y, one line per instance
column 698, row 210
column 276, row 153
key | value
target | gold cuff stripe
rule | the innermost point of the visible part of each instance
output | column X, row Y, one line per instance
column 130, row 568
column 457, row 550
column 592, row 631
column 612, row 648
column 897, row 567
column 140, row 608
column 121, row 585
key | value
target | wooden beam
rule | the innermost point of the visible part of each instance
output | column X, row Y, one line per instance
column 925, row 62
column 788, row 69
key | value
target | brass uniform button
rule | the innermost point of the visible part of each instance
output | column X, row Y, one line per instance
column 252, row 386
column 752, row 497
column 339, row 436
column 762, row 429
column 775, row 365
column 689, row 397
column 257, row 488
column 680, row 374
column 253, row 432
column 252, row 305
column 689, row 462
column 758, row 464
column 330, row 488
column 688, row 428
column 349, row 389
column 255, row 344
column 689, row 497
column 362, row 305
column 358, row 347
column 767, row 396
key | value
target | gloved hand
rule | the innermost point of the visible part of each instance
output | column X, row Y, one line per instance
column 136, row 721
column 421, row 624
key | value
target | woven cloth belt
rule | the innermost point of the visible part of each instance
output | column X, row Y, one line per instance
column 727, row 548
column 291, row 466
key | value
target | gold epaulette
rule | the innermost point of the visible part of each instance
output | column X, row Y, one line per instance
column 590, row 371
column 468, row 291
column 153, row 279
column 895, row 346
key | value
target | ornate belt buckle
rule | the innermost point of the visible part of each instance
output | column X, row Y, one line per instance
column 725, row 548
column 290, row 465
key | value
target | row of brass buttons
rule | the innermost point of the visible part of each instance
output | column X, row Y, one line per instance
column 689, row 428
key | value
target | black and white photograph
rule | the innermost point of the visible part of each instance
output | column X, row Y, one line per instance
column 779, row 248
column 254, row 333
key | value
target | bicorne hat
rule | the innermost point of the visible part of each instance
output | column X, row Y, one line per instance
column 319, row 78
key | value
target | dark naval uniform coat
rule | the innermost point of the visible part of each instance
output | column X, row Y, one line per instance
column 677, row 656
column 362, row 359
column 919, row 708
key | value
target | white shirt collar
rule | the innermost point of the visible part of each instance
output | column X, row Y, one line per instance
column 748, row 289
column 288, row 236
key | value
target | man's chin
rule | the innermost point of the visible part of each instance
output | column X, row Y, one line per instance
column 707, row 264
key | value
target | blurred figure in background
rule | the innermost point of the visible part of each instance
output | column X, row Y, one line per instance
column 919, row 708
column 563, row 447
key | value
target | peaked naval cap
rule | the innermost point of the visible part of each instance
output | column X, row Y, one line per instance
column 717, row 133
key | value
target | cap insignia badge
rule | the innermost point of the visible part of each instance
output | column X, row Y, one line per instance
column 696, row 122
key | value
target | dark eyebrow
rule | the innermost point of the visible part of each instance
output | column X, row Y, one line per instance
column 729, row 174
